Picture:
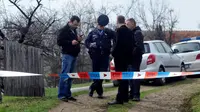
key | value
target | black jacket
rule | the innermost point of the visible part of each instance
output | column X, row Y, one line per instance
column 124, row 45
column 102, row 38
column 139, row 38
column 65, row 37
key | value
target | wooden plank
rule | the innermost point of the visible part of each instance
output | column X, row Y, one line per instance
column 25, row 59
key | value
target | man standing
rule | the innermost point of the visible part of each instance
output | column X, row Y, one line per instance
column 99, row 44
column 137, row 54
column 122, row 53
column 70, row 43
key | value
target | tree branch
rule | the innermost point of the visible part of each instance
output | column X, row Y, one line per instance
column 16, row 5
column 38, row 5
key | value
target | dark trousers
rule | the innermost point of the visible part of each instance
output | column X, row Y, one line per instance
column 135, row 83
column 121, row 65
column 100, row 63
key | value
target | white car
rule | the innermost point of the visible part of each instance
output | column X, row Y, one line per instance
column 158, row 57
column 189, row 50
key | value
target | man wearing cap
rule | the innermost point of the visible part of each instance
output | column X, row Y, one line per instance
column 99, row 44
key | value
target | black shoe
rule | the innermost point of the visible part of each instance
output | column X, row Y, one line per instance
column 64, row 99
column 72, row 98
column 136, row 99
column 91, row 93
column 130, row 97
column 115, row 102
column 100, row 97
column 126, row 101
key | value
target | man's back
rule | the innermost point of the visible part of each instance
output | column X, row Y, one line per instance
column 124, row 43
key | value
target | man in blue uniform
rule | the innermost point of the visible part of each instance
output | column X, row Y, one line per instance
column 99, row 44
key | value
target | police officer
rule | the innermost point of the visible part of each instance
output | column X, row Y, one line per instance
column 137, row 54
column 122, row 53
column 99, row 44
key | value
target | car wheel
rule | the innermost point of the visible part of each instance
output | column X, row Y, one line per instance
column 161, row 81
column 115, row 83
column 183, row 69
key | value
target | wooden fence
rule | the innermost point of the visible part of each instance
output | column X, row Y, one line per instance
column 22, row 58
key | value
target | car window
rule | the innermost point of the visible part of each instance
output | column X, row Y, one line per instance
column 159, row 47
column 146, row 48
column 187, row 47
column 166, row 47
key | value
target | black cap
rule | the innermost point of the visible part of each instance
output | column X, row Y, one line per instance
column 103, row 20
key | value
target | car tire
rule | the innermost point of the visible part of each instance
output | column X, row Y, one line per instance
column 183, row 69
column 161, row 81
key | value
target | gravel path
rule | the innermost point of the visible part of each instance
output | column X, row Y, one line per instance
column 88, row 104
column 168, row 100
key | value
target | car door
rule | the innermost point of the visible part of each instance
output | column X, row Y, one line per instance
column 164, row 57
column 174, row 60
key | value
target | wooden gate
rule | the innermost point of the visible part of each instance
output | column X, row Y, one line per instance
column 22, row 58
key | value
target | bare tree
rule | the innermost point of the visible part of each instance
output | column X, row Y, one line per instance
column 158, row 12
column 172, row 20
column 130, row 9
column 2, row 34
column 163, row 20
column 28, row 16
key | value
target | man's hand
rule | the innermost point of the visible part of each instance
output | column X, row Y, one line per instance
column 74, row 42
column 93, row 45
column 80, row 38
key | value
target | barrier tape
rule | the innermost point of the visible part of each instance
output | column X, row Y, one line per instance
column 16, row 74
column 105, row 75
column 123, row 75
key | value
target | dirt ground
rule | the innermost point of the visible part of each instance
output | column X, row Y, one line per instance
column 169, row 99
column 87, row 104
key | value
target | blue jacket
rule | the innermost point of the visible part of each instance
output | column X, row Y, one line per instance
column 99, row 41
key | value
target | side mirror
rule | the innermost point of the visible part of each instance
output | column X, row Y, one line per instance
column 175, row 51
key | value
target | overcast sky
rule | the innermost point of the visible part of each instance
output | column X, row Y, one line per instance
column 187, row 10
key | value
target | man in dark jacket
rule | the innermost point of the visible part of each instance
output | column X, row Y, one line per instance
column 122, row 53
column 70, row 43
column 137, row 54
column 99, row 44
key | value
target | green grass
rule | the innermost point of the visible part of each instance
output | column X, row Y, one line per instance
column 30, row 104
column 36, row 104
column 86, row 84
column 81, row 85
column 193, row 105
